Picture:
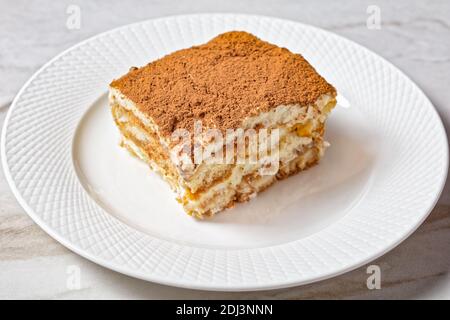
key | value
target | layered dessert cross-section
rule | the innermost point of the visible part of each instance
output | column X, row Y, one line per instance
column 224, row 120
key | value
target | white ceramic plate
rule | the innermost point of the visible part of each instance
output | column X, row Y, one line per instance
column 378, row 181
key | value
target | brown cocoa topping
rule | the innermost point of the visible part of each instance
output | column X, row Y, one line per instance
column 233, row 76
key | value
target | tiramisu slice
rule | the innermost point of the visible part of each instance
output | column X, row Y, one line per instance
column 223, row 120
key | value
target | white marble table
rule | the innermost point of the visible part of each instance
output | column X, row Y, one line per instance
column 414, row 37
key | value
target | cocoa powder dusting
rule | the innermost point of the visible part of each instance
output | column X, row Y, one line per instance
column 233, row 76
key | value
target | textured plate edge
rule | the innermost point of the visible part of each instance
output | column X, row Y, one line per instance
column 187, row 284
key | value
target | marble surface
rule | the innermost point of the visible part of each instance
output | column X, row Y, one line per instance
column 413, row 36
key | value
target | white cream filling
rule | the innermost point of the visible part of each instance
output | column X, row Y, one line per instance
column 209, row 200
